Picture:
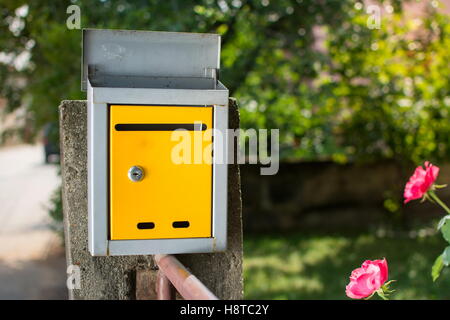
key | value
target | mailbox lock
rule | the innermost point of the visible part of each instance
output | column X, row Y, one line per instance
column 136, row 173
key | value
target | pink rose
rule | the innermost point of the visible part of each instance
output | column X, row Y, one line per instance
column 366, row 280
column 420, row 182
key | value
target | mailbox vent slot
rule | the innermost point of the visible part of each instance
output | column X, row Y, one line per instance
column 146, row 225
column 180, row 224
column 160, row 126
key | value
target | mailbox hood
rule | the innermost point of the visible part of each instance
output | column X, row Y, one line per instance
column 150, row 59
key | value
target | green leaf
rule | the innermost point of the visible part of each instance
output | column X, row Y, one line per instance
column 382, row 295
column 437, row 268
column 446, row 231
column 385, row 288
column 446, row 256
column 442, row 221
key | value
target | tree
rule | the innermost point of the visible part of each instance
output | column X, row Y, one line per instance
column 367, row 94
column 266, row 45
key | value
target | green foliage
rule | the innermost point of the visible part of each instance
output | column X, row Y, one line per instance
column 55, row 210
column 438, row 265
column 368, row 94
column 444, row 226
column 443, row 221
column 392, row 88
column 446, row 231
column 446, row 256
column 267, row 54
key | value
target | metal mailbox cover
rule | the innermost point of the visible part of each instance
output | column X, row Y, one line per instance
column 144, row 195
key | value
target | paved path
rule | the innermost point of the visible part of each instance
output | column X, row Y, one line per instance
column 32, row 262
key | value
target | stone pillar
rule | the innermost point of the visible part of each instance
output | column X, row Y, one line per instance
column 116, row 277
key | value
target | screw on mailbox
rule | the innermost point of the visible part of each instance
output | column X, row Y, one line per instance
column 136, row 173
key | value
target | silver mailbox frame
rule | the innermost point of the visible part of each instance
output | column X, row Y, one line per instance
column 189, row 90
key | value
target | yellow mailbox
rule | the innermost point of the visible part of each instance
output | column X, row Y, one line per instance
column 175, row 198
column 157, row 142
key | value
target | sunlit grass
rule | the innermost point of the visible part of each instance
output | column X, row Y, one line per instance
column 293, row 266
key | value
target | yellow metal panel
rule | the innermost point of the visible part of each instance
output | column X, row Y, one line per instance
column 169, row 192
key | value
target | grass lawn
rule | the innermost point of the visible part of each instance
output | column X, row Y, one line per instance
column 298, row 266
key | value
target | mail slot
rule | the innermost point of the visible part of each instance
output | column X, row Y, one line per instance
column 157, row 142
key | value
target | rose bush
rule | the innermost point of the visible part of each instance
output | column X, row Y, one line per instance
column 421, row 185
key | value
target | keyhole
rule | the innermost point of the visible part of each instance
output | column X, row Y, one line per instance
column 135, row 173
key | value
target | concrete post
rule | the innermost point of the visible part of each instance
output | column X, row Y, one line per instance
column 127, row 277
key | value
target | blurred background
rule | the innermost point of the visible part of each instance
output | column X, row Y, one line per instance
column 359, row 102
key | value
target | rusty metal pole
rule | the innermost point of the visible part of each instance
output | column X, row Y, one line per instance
column 188, row 285
column 164, row 288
